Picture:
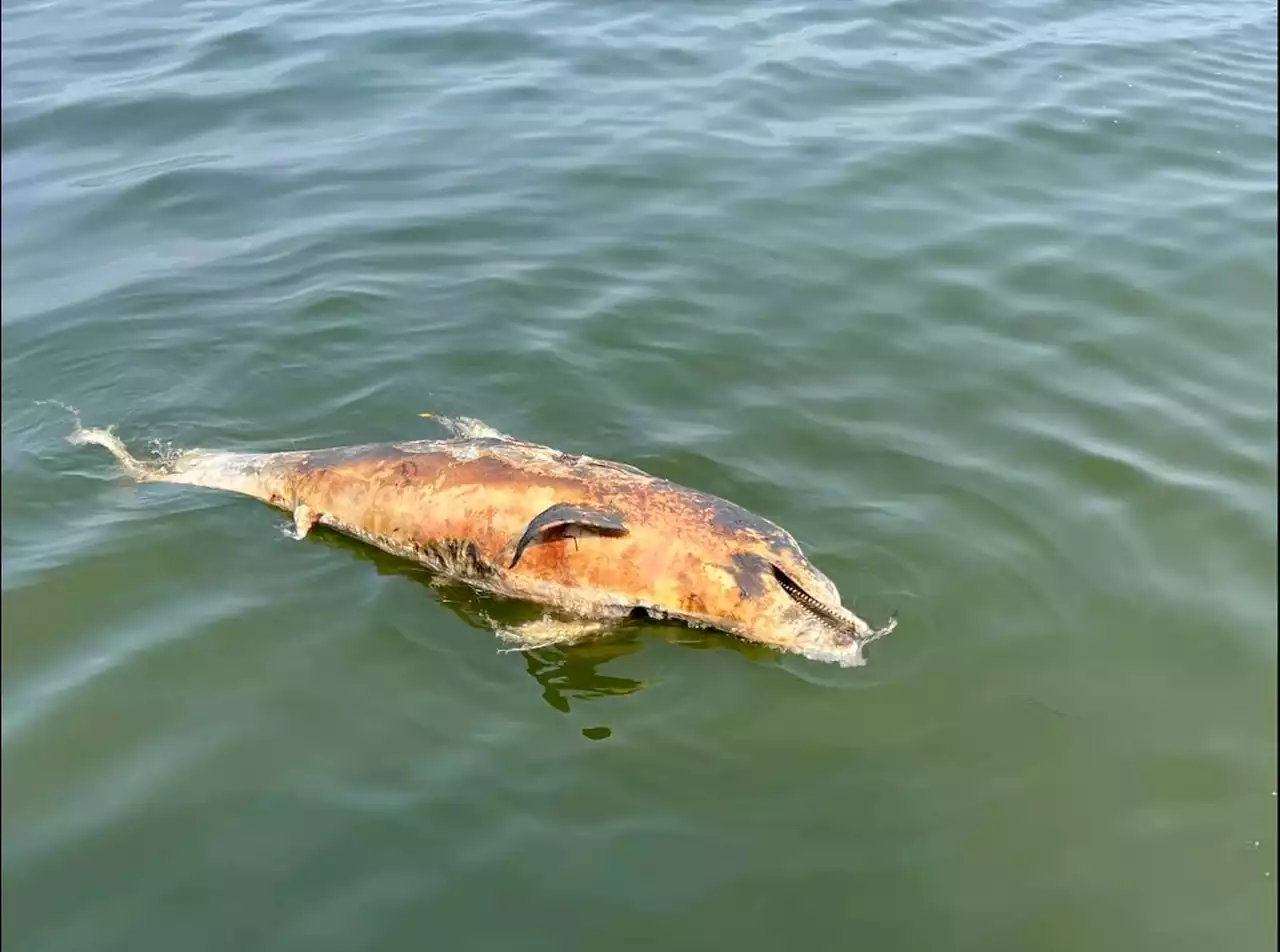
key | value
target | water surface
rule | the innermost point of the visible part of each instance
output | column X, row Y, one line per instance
column 979, row 301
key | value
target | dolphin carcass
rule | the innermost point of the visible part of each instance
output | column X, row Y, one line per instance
column 594, row 542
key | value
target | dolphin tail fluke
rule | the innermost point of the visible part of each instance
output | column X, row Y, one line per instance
column 264, row 476
column 135, row 467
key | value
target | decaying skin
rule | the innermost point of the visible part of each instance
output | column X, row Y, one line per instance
column 594, row 541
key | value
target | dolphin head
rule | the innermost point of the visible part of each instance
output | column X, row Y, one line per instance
column 769, row 592
column 783, row 600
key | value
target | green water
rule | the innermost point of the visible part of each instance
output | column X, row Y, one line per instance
column 978, row 300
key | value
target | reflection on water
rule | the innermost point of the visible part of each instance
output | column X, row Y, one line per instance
column 570, row 672
column 566, row 673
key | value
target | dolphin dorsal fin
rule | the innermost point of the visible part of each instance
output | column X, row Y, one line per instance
column 466, row 428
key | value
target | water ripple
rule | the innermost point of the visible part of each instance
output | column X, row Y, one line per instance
column 979, row 304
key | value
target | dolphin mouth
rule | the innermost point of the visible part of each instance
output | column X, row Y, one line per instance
column 849, row 629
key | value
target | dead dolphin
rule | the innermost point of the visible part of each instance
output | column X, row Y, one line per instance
column 594, row 541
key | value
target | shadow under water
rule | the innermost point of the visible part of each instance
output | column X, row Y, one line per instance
column 565, row 672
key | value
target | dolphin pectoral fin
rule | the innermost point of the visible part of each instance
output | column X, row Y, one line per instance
column 465, row 427
column 304, row 517
column 563, row 520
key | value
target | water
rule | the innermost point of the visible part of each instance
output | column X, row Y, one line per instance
column 979, row 301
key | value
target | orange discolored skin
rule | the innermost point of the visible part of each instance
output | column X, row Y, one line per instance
column 631, row 543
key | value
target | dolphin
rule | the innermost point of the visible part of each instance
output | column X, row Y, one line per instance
column 591, row 541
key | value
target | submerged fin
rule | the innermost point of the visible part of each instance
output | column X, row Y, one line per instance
column 304, row 517
column 564, row 520
column 547, row 631
column 465, row 427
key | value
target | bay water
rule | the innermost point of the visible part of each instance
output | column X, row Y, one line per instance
column 977, row 300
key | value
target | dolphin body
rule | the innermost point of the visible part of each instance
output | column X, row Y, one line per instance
column 594, row 541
